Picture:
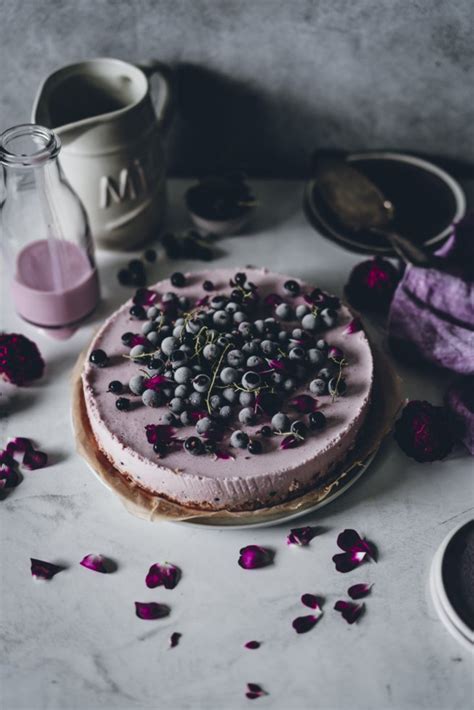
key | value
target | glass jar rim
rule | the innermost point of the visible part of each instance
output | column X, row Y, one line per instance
column 47, row 146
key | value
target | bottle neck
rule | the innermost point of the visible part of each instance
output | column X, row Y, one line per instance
column 28, row 146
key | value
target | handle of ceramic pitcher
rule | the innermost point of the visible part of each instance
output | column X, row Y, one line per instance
column 166, row 100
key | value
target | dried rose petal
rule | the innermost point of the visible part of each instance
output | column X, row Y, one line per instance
column 358, row 591
column 289, row 442
column 159, row 433
column 336, row 355
column 9, row 477
column 145, row 297
column 174, row 639
column 19, row 445
column 372, row 284
column 252, row 645
column 151, row 610
column 254, row 556
column 44, row 570
column 311, row 601
column 354, row 326
column 155, row 382
column 33, row 459
column 20, row 359
column 424, row 432
column 347, row 561
column 277, row 364
column 166, row 575
column 350, row 610
column 272, row 300
column 138, row 340
column 224, row 455
column 254, row 691
column 304, row 403
column 301, row 536
column 97, row 563
column 6, row 458
column 350, row 541
column 303, row 624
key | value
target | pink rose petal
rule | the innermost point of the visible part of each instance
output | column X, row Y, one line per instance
column 358, row 591
column 138, row 340
column 254, row 691
column 304, row 403
column 289, row 442
column 311, row 601
column 252, row 645
column 203, row 301
column 350, row 541
column 19, row 445
column 97, row 563
column 155, row 382
column 174, row 639
column 44, row 570
column 159, row 433
column 151, row 610
column 254, row 556
column 9, row 476
column 301, row 536
column 347, row 561
column 354, row 326
column 224, row 455
column 336, row 355
column 33, row 459
column 303, row 624
column 350, row 611
column 272, row 300
column 6, row 458
column 166, row 575
column 145, row 297
column 276, row 364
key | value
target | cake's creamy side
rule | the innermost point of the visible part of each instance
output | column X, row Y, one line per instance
column 247, row 480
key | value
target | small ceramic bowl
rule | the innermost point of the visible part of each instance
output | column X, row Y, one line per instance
column 427, row 202
column 220, row 206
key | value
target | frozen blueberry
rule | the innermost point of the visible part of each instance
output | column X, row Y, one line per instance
column 193, row 326
column 147, row 327
column 181, row 391
column 251, row 380
column 116, row 387
column 235, row 358
column 216, row 401
column 137, row 352
column 318, row 386
column 247, row 416
column 297, row 353
column 169, row 297
column 150, row 398
column 183, row 374
column 283, row 337
column 292, row 287
column 178, row 358
column 316, row 357
column 99, row 358
column 259, row 326
column 177, row 405
column 255, row 446
column 239, row 317
column 284, row 311
column 247, row 399
column 154, row 338
column 230, row 395
column 299, row 428
column 193, row 445
column 136, row 384
column 322, row 345
column 178, row 331
column 276, row 377
column 326, row 373
column 225, row 412
column 310, row 322
column 204, row 425
column 302, row 310
column 169, row 344
column 185, row 418
column 246, row 329
column 178, row 280
column 289, row 384
column 196, row 400
column 269, row 347
column 152, row 312
column 254, row 361
column 232, row 307
column 317, row 420
column 201, row 383
column 239, row 439
column 280, row 422
column 329, row 317
column 229, row 375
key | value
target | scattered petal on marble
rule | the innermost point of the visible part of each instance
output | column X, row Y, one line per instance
column 97, row 563
column 303, row 624
column 301, row 536
column 304, row 403
column 359, row 591
column 151, row 610
column 34, row 459
column 350, row 541
column 44, row 570
column 252, row 645
column 6, row 458
column 347, row 561
column 311, row 601
column 350, row 611
column 254, row 556
column 19, row 445
column 174, row 639
column 9, row 477
column 254, row 691
column 166, row 575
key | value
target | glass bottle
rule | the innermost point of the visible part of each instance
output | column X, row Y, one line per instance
column 46, row 242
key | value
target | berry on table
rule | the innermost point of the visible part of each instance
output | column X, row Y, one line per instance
column 159, row 448
column 240, row 278
column 266, row 431
column 127, row 338
column 99, row 358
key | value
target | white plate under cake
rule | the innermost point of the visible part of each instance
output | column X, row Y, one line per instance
column 235, row 398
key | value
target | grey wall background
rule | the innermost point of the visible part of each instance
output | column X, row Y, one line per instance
column 262, row 82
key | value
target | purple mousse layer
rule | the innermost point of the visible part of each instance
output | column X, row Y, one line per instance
column 246, row 481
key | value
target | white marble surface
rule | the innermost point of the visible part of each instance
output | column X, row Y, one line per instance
column 76, row 643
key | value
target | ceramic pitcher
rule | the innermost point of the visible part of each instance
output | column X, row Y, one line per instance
column 112, row 139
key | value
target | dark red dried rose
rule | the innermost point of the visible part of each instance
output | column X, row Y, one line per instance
column 254, row 691
column 33, row 459
column 272, row 300
column 166, row 575
column 156, row 382
column 254, row 556
column 174, row 639
column 350, row 611
column 424, row 432
column 145, row 297
column 20, row 359
column 19, row 445
column 44, row 570
column 252, row 645
column 354, row 327
column 289, row 442
column 372, row 284
column 359, row 591
column 303, row 624
column 159, row 433
column 301, row 536
column 151, row 610
column 97, row 563
column 9, row 477
column 138, row 340
column 304, row 403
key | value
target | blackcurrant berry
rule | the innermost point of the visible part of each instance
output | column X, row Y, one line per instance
column 159, row 448
column 299, row 428
column 255, row 446
column 99, row 358
column 292, row 287
column 178, row 280
column 150, row 255
column 208, row 286
column 240, row 278
column 123, row 277
column 266, row 431
column 138, row 312
column 317, row 420
column 127, row 338
column 116, row 387
column 122, row 404
column 194, row 445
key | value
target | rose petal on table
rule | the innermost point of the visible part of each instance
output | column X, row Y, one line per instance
column 359, row 591
column 97, row 563
column 254, row 691
column 350, row 611
column 166, row 575
column 311, row 601
column 301, row 536
column 19, row 445
column 255, row 556
column 303, row 624
column 151, row 610
column 44, row 570
column 252, row 645
column 174, row 639
column 9, row 477
column 347, row 561
column 33, row 459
